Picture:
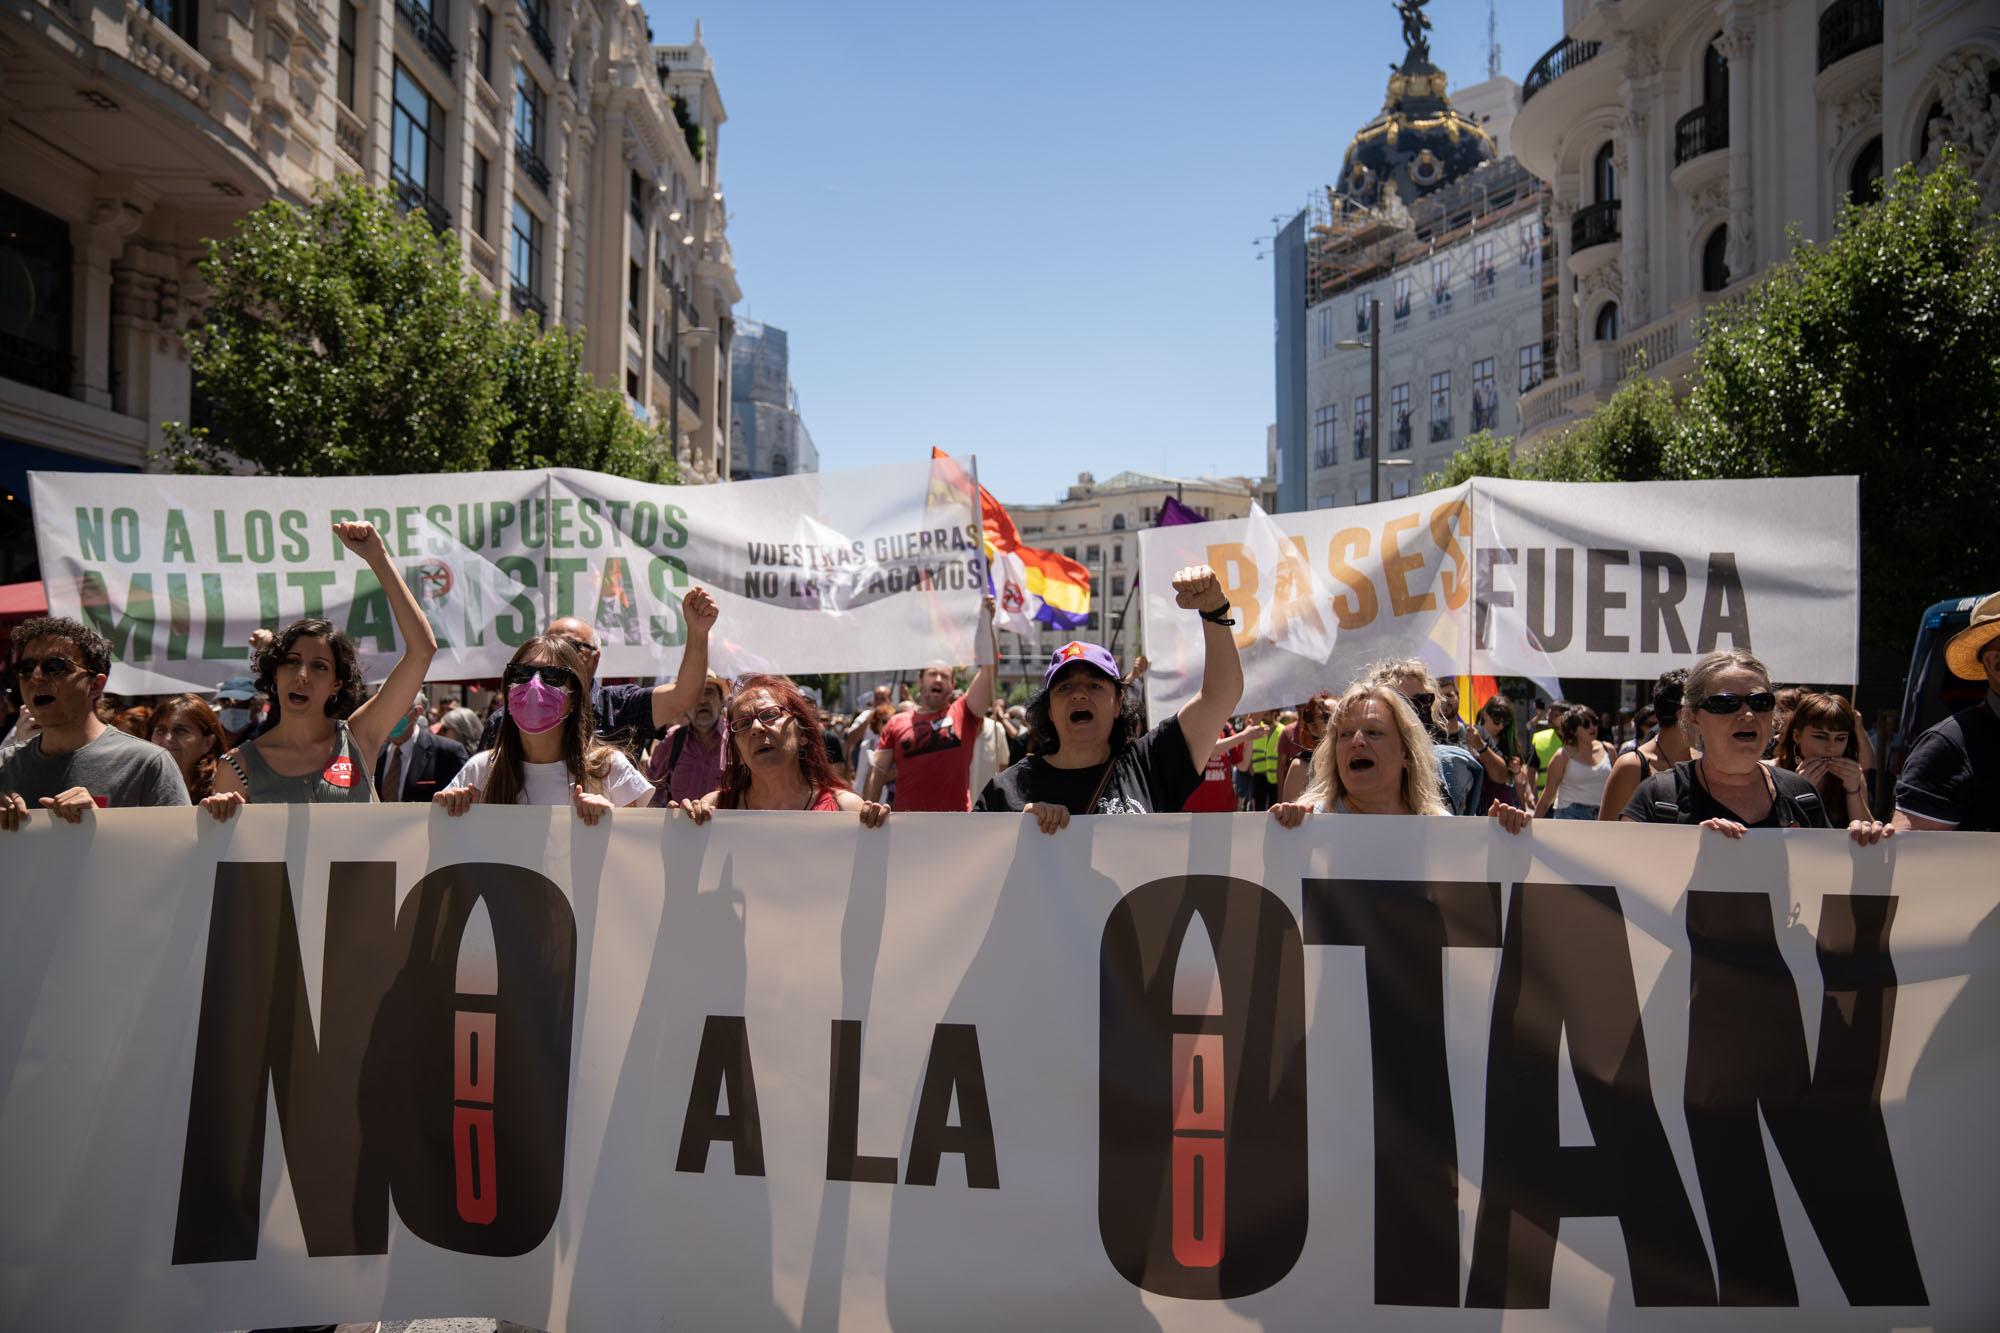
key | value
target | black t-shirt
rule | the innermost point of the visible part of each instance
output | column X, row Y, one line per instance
column 1678, row 797
column 1953, row 772
column 1154, row 774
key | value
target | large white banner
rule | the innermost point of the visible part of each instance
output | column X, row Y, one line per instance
column 1521, row 578
column 867, row 569
column 331, row 1063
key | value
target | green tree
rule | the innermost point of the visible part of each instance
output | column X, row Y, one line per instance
column 344, row 338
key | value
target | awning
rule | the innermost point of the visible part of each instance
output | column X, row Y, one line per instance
column 18, row 601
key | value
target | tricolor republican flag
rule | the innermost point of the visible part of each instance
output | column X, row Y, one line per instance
column 1029, row 585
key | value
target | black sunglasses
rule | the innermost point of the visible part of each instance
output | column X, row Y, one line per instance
column 520, row 673
column 1423, row 703
column 1722, row 705
column 52, row 668
column 587, row 649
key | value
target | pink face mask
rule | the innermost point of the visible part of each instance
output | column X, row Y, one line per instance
column 537, row 706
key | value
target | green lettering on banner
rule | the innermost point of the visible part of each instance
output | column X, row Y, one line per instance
column 503, row 519
column 674, row 533
column 292, row 522
column 90, row 533
column 380, row 518
column 267, row 599
column 223, row 555
column 593, row 531
column 130, row 632
column 534, row 524
column 406, row 530
column 559, row 524
column 440, row 521
column 178, row 544
column 645, row 523
column 215, row 622
column 180, row 617
column 313, row 583
column 518, row 628
column 563, row 571
column 618, row 529
column 259, row 536
column 368, row 615
column 125, row 536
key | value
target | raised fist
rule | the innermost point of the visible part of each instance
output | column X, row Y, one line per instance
column 1196, row 588
column 360, row 538
column 700, row 609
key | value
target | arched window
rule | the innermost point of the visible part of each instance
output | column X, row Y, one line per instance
column 1118, row 522
column 1714, row 261
column 1607, row 323
column 1931, row 117
column 1714, row 74
column 1604, row 175
column 1864, row 178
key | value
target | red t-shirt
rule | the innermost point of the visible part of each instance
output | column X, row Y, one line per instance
column 933, row 757
column 1217, row 791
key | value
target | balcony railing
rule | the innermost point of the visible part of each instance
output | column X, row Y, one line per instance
column 1440, row 428
column 1702, row 130
column 1560, row 59
column 1326, row 457
column 411, row 196
column 525, row 302
column 1848, row 26
column 537, row 33
column 661, row 366
column 632, row 318
column 428, row 31
column 1595, row 224
column 531, row 162
column 29, row 363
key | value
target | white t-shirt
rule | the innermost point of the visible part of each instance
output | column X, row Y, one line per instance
column 548, row 784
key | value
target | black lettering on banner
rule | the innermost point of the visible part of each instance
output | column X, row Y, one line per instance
column 1659, row 601
column 1403, row 928
column 1238, row 1129
column 722, row 1066
column 1599, row 600
column 1724, row 609
column 1747, row 1052
column 844, row 1160
column 1565, row 967
column 954, row 1066
column 394, row 1028
column 1551, row 638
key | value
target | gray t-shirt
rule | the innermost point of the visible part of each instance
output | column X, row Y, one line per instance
column 119, row 770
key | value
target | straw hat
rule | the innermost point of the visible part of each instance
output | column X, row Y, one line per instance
column 1962, row 653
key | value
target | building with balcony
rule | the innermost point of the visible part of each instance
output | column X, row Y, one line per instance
column 1432, row 221
column 1681, row 142
column 135, row 132
column 767, row 436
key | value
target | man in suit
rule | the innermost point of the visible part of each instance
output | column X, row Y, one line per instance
column 416, row 763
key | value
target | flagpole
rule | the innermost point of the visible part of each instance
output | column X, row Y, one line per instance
column 985, row 567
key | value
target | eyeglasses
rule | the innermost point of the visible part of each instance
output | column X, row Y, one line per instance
column 52, row 668
column 1722, row 705
column 520, row 673
column 770, row 718
column 1423, row 703
column 581, row 646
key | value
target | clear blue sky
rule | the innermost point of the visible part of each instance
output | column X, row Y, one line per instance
column 1024, row 231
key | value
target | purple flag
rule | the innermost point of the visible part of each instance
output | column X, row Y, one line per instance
column 1172, row 511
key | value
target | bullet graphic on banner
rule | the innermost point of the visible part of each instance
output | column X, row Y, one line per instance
column 474, row 1159
column 1199, row 1152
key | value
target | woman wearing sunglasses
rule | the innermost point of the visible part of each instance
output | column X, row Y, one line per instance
column 1728, row 708
column 546, row 750
column 776, row 758
column 323, row 746
column 1579, row 769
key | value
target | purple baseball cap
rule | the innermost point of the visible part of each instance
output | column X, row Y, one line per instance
column 1090, row 654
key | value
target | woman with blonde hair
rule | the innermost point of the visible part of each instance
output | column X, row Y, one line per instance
column 1376, row 759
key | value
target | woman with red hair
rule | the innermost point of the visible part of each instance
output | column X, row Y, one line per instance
column 776, row 758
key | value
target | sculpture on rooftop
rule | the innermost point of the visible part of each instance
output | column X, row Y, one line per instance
column 1416, row 26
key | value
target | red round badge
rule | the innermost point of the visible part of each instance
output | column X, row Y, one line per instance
column 340, row 772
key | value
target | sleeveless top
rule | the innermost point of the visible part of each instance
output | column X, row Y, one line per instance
column 826, row 798
column 1585, row 786
column 344, row 779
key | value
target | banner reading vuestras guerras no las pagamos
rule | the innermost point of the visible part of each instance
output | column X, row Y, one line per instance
column 1518, row 578
column 865, row 569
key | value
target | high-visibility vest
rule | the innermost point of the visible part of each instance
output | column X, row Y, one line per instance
column 1264, row 755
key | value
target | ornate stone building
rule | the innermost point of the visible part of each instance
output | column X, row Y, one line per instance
column 575, row 161
column 1682, row 141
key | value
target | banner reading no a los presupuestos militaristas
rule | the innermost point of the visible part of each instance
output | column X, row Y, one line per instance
column 864, row 569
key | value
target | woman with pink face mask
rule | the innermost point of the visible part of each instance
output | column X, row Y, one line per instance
column 546, row 752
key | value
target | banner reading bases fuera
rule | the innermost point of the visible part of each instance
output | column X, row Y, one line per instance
column 1521, row 578
column 334, row 1063
column 868, row 569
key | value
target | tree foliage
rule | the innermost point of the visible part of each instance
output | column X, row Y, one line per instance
column 345, row 339
column 1875, row 355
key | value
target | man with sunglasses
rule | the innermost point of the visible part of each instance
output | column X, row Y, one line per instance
column 635, row 715
column 77, row 762
column 1952, row 778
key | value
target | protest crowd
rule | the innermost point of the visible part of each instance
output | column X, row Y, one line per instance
column 1721, row 745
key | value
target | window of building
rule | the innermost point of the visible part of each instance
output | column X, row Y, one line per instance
column 1485, row 396
column 1323, row 327
column 1117, row 549
column 1441, row 405
column 1531, row 366
column 525, row 261
column 1531, row 243
column 1361, row 312
column 1398, row 489
column 1399, row 417
column 1324, row 501
column 1440, row 282
column 636, row 198
column 780, row 465
column 1325, row 425
column 1364, row 424
column 527, row 110
column 1864, row 178
column 635, row 297
column 632, row 384
column 1715, row 261
column 1146, row 514
column 1070, row 551
column 39, row 263
column 1117, row 585
column 178, row 15
column 1482, row 265
column 350, row 23
column 1604, row 175
column 482, row 27
column 1607, row 323
column 1402, row 296
column 1714, row 75
column 1118, row 522
column 1092, row 554
column 482, row 173
column 416, row 141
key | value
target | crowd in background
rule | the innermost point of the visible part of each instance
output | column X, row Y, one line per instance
column 1719, row 744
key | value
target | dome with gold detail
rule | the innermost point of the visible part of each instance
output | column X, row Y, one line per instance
column 1418, row 143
